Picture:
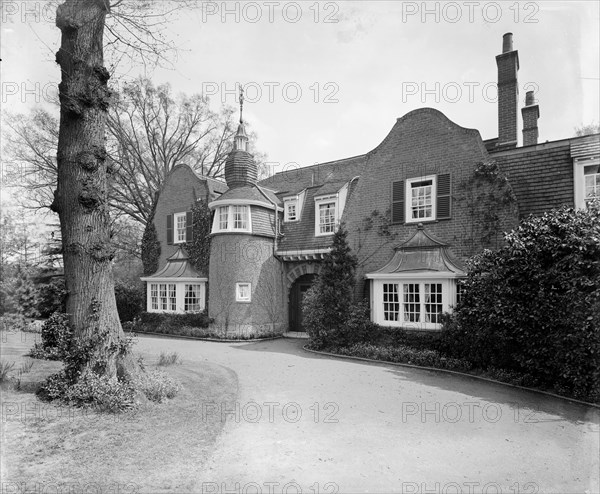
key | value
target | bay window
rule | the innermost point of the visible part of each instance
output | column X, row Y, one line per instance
column 234, row 218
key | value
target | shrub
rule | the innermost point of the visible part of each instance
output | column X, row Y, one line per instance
column 13, row 322
column 131, row 300
column 150, row 247
column 5, row 369
column 405, row 355
column 534, row 306
column 91, row 390
column 52, row 297
column 56, row 338
column 157, row 386
column 155, row 322
column 327, row 304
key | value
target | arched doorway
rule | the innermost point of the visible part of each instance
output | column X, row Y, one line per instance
column 297, row 292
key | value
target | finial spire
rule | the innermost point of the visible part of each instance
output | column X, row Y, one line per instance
column 241, row 102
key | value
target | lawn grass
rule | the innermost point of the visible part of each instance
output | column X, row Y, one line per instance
column 159, row 448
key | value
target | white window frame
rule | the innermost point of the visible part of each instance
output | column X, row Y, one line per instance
column 177, row 230
column 319, row 201
column 579, row 179
column 177, row 287
column 239, row 297
column 408, row 207
column 287, row 204
column 230, row 225
column 389, row 311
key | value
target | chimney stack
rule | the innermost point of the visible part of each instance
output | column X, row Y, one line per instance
column 531, row 113
column 508, row 94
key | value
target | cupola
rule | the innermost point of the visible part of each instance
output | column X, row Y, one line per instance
column 240, row 168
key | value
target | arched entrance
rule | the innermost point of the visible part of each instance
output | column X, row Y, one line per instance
column 297, row 292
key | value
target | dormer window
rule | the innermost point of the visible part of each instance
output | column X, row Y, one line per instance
column 291, row 210
column 232, row 219
column 326, row 215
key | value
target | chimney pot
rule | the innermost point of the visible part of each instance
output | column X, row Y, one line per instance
column 507, row 43
column 529, row 98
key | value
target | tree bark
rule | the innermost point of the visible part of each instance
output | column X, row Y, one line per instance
column 81, row 198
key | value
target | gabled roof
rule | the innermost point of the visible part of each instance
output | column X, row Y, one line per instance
column 422, row 253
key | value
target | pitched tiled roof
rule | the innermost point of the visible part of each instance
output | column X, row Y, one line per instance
column 541, row 176
column 318, row 180
column 250, row 193
column 177, row 266
column 293, row 181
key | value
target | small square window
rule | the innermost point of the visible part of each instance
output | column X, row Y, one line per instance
column 243, row 292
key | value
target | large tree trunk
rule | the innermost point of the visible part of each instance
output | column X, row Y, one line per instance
column 81, row 198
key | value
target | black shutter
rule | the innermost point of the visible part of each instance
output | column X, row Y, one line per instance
column 398, row 202
column 444, row 197
column 189, row 226
column 169, row 229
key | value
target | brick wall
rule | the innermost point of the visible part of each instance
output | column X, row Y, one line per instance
column 180, row 191
column 242, row 258
column 423, row 142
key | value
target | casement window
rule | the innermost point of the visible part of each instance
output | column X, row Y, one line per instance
column 413, row 303
column 179, row 228
column 587, row 181
column 421, row 199
column 243, row 292
column 176, row 297
column 232, row 219
column 154, row 296
column 391, row 302
column 290, row 210
column 326, row 216
column 223, row 213
column 163, row 297
column 192, row 298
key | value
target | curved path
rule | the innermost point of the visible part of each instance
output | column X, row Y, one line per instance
column 313, row 424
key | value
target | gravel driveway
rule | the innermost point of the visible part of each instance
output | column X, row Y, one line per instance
column 312, row 424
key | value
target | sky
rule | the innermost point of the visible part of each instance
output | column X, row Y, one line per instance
column 327, row 80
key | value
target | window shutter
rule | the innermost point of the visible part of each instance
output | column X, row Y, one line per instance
column 189, row 227
column 398, row 201
column 170, row 229
column 444, row 197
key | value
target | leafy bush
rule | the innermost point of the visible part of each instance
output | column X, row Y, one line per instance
column 131, row 300
column 56, row 338
column 24, row 294
column 5, row 369
column 91, row 390
column 405, row 355
column 13, row 322
column 52, row 297
column 534, row 306
column 157, row 386
column 327, row 304
column 155, row 322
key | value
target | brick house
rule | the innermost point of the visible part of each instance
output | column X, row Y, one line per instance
column 416, row 207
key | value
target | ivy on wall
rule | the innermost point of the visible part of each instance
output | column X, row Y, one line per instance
column 199, row 248
column 491, row 204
